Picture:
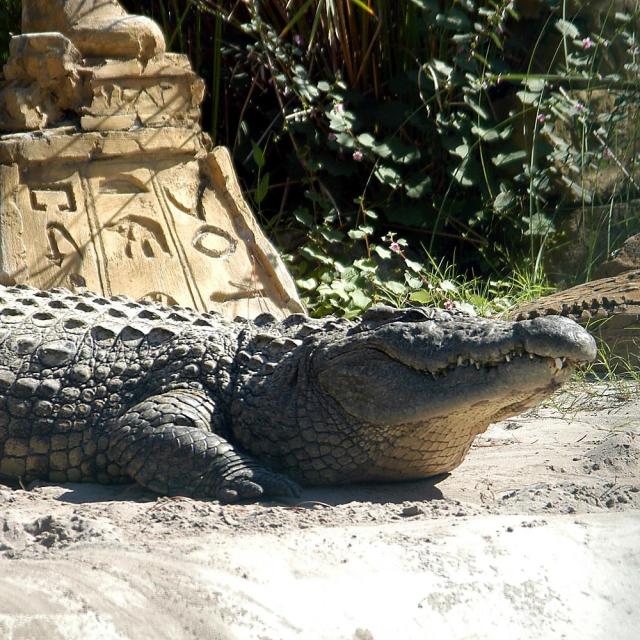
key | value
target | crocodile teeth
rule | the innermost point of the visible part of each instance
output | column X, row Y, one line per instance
column 459, row 360
column 531, row 356
column 507, row 358
column 558, row 362
column 477, row 365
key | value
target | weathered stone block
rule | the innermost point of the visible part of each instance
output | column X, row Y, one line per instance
column 59, row 461
column 12, row 467
column 16, row 447
column 39, row 444
column 128, row 196
column 59, row 442
column 74, row 475
column 37, row 466
column 75, row 457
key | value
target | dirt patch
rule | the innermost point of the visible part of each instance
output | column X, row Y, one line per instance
column 538, row 499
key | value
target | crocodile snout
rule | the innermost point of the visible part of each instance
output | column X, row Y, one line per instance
column 556, row 337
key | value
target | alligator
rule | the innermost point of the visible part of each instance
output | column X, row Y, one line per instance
column 188, row 403
column 609, row 308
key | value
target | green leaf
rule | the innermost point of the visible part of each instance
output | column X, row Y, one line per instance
column 382, row 149
column 397, row 288
column 462, row 150
column 496, row 39
column 486, row 134
column 447, row 286
column 413, row 281
column 454, row 19
column 483, row 113
column 262, row 189
column 365, row 264
column 303, row 217
column 441, row 67
column 339, row 288
column 360, row 233
column 413, row 265
column 360, row 299
column 388, row 176
column 366, row 140
column 528, row 97
column 346, row 140
column 418, row 186
column 397, row 150
column 421, row 297
column 258, row 155
column 308, row 285
column 383, row 252
column 506, row 133
column 622, row 17
column 505, row 159
column 468, row 172
column 503, row 201
column 312, row 254
column 426, row 5
column 331, row 235
column 567, row 29
column 535, row 84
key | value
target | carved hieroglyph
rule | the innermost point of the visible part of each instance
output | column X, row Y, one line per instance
column 107, row 180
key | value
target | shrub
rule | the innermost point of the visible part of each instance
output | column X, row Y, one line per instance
column 377, row 138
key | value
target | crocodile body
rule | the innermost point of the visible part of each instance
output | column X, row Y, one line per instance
column 111, row 390
column 608, row 307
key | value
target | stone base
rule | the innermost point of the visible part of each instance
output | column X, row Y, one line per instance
column 137, row 213
column 108, row 182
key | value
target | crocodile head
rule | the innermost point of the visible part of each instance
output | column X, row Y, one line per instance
column 402, row 394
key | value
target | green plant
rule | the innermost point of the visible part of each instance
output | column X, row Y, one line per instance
column 469, row 147
column 467, row 129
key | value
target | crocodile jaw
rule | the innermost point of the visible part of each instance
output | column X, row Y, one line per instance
column 414, row 419
column 424, row 426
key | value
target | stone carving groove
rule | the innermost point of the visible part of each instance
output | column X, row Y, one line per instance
column 58, row 198
column 107, row 180
column 59, row 238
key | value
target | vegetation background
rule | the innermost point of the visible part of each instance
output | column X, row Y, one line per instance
column 446, row 151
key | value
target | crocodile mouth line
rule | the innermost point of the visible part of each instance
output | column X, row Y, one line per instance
column 464, row 362
column 513, row 356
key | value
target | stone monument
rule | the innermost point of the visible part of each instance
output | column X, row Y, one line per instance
column 106, row 179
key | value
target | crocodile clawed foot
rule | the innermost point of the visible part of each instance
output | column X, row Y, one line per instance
column 255, row 484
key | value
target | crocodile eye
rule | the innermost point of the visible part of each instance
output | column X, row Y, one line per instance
column 383, row 314
column 379, row 313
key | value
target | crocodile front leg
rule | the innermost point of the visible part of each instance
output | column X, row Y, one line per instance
column 165, row 443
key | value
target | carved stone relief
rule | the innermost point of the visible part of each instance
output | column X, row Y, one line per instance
column 107, row 180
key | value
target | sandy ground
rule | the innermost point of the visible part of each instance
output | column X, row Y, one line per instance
column 536, row 535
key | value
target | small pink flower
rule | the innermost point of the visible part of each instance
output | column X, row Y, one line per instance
column 607, row 153
column 297, row 39
column 448, row 305
column 332, row 137
column 395, row 247
column 338, row 107
column 587, row 43
column 541, row 118
column 358, row 155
